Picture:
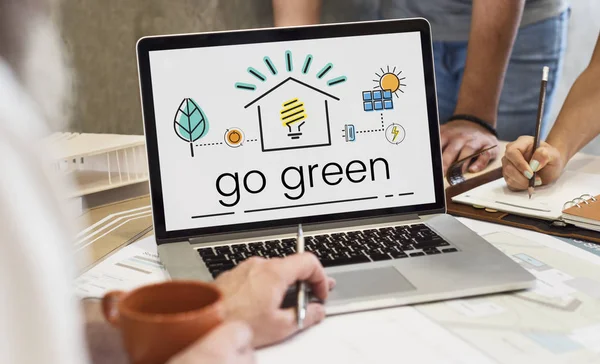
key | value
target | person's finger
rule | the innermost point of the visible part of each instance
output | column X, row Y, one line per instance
column 514, row 178
column 481, row 162
column 303, row 267
column 331, row 283
column 507, row 178
column 540, row 158
column 524, row 144
column 465, row 152
column 287, row 321
column 451, row 152
column 315, row 313
column 516, row 154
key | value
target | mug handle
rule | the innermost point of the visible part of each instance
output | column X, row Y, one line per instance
column 110, row 303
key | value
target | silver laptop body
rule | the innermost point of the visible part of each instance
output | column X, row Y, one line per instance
column 467, row 265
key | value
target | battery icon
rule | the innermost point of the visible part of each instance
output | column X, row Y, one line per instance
column 350, row 132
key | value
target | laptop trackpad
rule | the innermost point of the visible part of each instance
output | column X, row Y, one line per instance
column 369, row 282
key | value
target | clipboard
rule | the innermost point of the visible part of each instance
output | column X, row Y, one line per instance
column 537, row 225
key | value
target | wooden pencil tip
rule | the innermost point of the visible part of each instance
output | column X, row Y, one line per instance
column 530, row 191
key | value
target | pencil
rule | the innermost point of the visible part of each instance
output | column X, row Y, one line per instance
column 538, row 124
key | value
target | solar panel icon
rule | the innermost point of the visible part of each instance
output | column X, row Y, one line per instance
column 377, row 100
column 388, row 102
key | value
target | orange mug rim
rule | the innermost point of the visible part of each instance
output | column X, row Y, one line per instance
column 161, row 317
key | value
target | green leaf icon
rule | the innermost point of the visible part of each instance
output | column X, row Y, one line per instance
column 191, row 123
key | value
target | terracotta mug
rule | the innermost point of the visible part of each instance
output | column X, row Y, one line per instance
column 158, row 321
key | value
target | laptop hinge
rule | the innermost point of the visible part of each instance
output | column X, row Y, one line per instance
column 308, row 228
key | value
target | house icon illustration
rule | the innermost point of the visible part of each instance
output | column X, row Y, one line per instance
column 293, row 115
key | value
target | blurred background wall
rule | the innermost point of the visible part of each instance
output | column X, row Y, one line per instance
column 101, row 35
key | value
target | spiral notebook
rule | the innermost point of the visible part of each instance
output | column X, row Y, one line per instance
column 547, row 203
column 583, row 211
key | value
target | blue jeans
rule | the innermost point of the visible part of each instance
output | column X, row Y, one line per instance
column 537, row 45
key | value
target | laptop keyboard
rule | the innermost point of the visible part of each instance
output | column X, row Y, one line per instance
column 354, row 247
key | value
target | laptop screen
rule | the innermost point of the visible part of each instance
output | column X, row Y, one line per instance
column 270, row 131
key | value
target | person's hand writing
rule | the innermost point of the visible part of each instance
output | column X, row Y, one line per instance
column 255, row 289
column 517, row 171
column 229, row 343
column 461, row 139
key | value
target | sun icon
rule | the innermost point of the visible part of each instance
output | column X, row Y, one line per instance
column 390, row 80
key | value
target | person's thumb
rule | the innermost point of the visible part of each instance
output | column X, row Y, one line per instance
column 540, row 158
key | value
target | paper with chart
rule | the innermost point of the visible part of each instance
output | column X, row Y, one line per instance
column 546, row 203
column 587, row 246
column 557, row 322
column 133, row 266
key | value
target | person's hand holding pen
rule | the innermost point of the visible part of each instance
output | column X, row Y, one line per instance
column 547, row 162
column 255, row 289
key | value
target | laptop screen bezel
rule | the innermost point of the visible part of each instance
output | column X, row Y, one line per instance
column 199, row 40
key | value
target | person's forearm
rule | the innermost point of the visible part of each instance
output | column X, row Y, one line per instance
column 296, row 12
column 494, row 25
column 579, row 119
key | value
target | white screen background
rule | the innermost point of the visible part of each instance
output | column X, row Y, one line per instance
column 207, row 75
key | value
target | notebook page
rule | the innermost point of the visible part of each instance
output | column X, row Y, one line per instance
column 546, row 203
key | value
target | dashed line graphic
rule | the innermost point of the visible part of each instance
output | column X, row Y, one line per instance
column 209, row 144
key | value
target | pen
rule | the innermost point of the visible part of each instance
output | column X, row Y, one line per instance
column 538, row 124
column 300, row 285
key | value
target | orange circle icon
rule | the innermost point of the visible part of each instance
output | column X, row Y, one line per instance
column 234, row 137
column 390, row 81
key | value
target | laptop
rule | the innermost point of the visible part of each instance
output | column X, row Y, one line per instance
column 251, row 133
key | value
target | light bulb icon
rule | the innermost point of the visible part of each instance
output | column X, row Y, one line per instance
column 293, row 115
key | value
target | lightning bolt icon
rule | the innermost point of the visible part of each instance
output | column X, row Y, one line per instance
column 395, row 131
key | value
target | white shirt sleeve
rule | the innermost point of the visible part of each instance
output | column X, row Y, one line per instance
column 40, row 319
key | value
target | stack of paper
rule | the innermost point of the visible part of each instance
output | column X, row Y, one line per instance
column 131, row 267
